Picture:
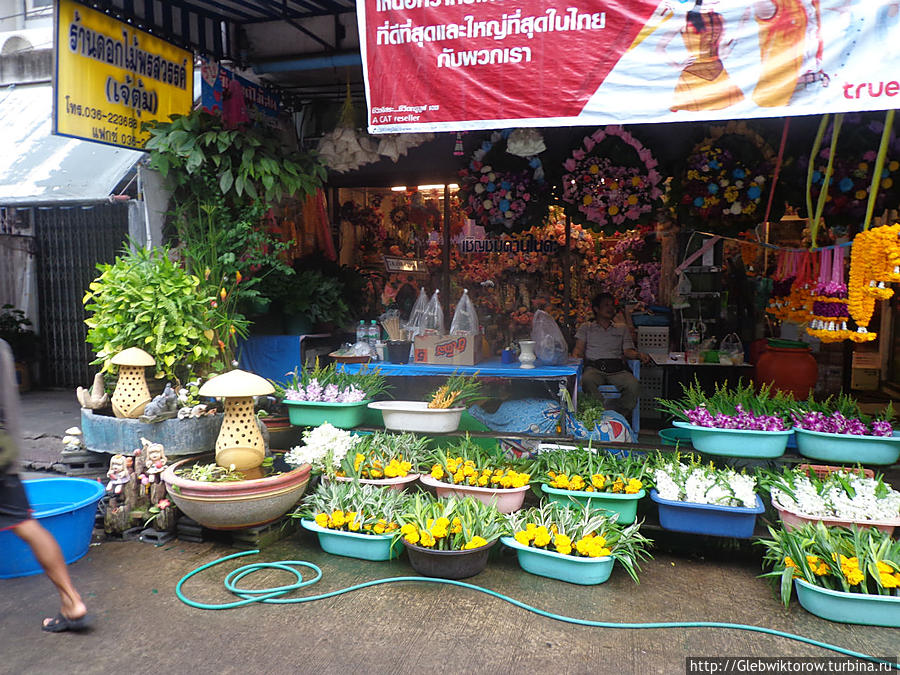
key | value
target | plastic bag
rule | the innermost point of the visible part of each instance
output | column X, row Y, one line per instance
column 549, row 344
column 731, row 350
column 433, row 318
column 414, row 325
column 465, row 320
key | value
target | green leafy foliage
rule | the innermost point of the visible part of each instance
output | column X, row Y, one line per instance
column 146, row 300
column 725, row 400
column 370, row 381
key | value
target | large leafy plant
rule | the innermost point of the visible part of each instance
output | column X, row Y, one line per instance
column 146, row 300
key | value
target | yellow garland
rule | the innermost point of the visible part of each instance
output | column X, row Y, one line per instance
column 875, row 261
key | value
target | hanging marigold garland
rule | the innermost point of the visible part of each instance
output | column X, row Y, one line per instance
column 874, row 263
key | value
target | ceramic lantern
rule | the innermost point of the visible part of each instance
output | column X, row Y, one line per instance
column 240, row 441
column 131, row 395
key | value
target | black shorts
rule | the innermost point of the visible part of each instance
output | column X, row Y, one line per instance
column 14, row 506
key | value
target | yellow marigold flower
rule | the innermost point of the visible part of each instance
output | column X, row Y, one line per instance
column 541, row 536
column 613, row 209
column 530, row 527
column 408, row 528
column 788, row 562
column 498, row 472
column 358, row 460
column 375, row 473
column 468, row 471
column 437, row 472
column 632, row 200
column 412, row 538
column 523, row 537
column 589, row 488
column 587, row 200
column 577, row 483
column 854, row 577
column 883, row 567
column 456, row 528
column 379, row 527
column 337, row 517
column 600, row 552
column 565, row 549
column 634, row 486
column 483, row 481
column 598, row 480
column 475, row 542
column 618, row 485
column 353, row 525
column 405, row 467
column 322, row 520
column 427, row 539
column 472, row 480
column 860, row 194
column 561, row 481
column 458, row 477
column 889, row 580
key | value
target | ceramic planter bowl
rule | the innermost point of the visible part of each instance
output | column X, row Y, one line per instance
column 238, row 504
column 506, row 500
column 376, row 547
column 315, row 413
column 869, row 610
column 448, row 564
column 398, row 484
column 623, row 504
column 719, row 521
column 737, row 442
column 181, row 438
column 793, row 520
column 417, row 416
column 568, row 568
column 848, row 448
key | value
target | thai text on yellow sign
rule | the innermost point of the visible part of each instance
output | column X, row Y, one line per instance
column 111, row 77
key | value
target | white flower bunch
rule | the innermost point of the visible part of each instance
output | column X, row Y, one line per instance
column 867, row 499
column 705, row 485
column 324, row 448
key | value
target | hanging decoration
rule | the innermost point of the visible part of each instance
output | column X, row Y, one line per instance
column 396, row 146
column 525, row 143
column 344, row 148
column 501, row 192
column 611, row 179
column 727, row 174
column 830, row 313
column 782, row 281
column 874, row 263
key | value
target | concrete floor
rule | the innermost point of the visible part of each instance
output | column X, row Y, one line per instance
column 396, row 628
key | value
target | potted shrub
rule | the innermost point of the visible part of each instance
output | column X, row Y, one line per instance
column 16, row 329
column 834, row 430
column 574, row 542
column 384, row 459
column 601, row 479
column 737, row 422
column 328, row 394
column 833, row 496
column 840, row 574
column 440, row 414
column 449, row 537
column 701, row 499
column 354, row 520
column 467, row 469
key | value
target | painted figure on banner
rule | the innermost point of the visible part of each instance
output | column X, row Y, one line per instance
column 704, row 83
column 782, row 37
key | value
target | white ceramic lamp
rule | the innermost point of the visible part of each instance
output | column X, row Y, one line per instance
column 131, row 395
column 240, row 441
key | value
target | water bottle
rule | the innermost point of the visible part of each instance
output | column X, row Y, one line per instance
column 361, row 332
column 374, row 336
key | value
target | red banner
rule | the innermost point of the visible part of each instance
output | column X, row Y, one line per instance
column 444, row 65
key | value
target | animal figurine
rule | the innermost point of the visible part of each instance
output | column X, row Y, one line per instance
column 96, row 398
column 118, row 474
column 162, row 407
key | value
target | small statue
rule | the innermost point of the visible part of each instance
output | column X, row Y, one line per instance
column 72, row 440
column 96, row 398
column 155, row 461
column 162, row 407
column 118, row 474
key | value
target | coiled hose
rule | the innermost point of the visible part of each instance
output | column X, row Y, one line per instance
column 274, row 596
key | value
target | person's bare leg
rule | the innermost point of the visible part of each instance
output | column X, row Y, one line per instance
column 50, row 557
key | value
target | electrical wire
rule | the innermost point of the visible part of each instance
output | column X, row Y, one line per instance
column 273, row 596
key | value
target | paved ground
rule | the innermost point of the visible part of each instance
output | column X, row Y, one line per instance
column 402, row 628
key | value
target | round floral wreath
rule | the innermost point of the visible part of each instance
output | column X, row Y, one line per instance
column 500, row 199
column 606, row 192
column 724, row 181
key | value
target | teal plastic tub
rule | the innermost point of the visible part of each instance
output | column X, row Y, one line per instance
column 848, row 448
column 314, row 413
column 737, row 442
column 675, row 436
column 622, row 504
column 568, row 568
column 868, row 610
column 375, row 547
column 66, row 508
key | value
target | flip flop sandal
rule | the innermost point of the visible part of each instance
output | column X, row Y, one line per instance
column 59, row 623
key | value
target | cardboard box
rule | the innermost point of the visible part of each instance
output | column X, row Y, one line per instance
column 448, row 350
column 870, row 360
column 865, row 379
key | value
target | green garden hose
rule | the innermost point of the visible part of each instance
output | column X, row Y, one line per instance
column 273, row 596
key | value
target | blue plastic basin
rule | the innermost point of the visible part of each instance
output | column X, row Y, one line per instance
column 675, row 436
column 66, row 508
column 711, row 519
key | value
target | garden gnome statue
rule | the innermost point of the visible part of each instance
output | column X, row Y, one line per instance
column 118, row 475
column 155, row 461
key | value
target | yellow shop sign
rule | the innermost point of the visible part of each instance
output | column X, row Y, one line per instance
column 111, row 77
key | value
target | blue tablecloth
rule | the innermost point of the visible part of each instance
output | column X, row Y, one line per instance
column 273, row 356
column 489, row 368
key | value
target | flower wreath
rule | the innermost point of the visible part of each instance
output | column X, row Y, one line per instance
column 604, row 191
column 502, row 192
column 727, row 173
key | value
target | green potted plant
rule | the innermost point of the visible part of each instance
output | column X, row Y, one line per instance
column 384, row 459
column 16, row 329
column 323, row 394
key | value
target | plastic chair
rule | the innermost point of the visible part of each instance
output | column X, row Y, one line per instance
column 609, row 390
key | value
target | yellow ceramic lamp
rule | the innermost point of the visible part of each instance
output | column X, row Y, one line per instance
column 240, row 442
column 131, row 395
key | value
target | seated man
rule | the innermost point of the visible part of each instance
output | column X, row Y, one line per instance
column 604, row 346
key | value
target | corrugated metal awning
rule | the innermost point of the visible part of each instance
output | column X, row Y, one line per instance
column 37, row 167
